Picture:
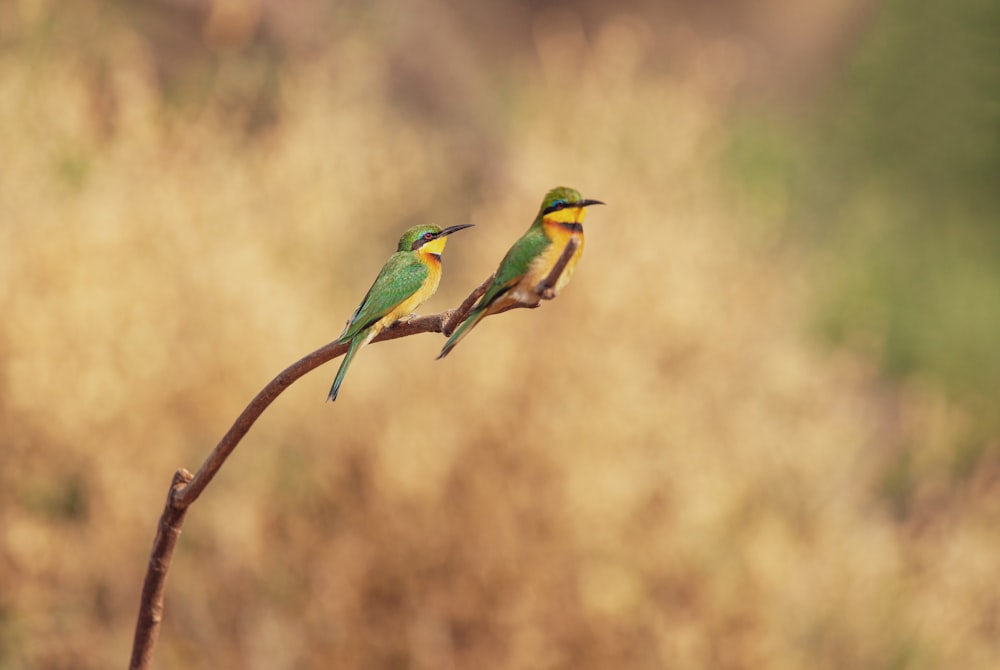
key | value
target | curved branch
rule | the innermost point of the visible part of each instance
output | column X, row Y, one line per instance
column 434, row 323
column 185, row 488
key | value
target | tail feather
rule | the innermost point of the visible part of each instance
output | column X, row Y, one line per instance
column 474, row 317
column 356, row 343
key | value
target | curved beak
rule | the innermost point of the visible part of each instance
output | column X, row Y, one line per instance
column 454, row 229
column 588, row 203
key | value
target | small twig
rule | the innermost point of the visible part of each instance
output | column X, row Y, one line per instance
column 185, row 488
column 547, row 289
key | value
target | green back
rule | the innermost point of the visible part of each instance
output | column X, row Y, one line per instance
column 401, row 276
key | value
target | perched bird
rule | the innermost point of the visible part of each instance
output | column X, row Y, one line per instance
column 408, row 278
column 531, row 259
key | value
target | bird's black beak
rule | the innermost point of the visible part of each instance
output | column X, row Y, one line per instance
column 454, row 229
column 588, row 203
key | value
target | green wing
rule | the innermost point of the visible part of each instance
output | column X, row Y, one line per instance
column 516, row 263
column 401, row 276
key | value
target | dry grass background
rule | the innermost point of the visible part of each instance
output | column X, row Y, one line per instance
column 656, row 470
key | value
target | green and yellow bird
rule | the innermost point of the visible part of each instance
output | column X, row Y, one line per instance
column 531, row 259
column 408, row 278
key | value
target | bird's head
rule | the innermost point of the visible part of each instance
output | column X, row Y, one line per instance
column 565, row 205
column 429, row 239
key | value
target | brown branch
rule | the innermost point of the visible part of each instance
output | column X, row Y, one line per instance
column 547, row 289
column 147, row 628
column 185, row 488
column 434, row 323
column 458, row 315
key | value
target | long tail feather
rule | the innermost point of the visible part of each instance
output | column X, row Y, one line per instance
column 359, row 341
column 474, row 317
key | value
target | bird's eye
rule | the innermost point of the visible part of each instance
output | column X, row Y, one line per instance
column 428, row 236
column 559, row 204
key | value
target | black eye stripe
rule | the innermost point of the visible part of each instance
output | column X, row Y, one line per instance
column 422, row 240
column 556, row 207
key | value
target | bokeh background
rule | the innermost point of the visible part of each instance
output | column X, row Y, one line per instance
column 759, row 430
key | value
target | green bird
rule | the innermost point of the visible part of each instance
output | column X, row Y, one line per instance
column 531, row 259
column 408, row 278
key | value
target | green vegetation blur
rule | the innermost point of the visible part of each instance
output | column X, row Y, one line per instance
column 892, row 173
column 890, row 177
column 759, row 429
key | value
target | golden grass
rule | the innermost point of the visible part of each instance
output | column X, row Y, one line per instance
column 655, row 470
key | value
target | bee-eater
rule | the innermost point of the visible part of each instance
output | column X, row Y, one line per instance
column 408, row 278
column 531, row 259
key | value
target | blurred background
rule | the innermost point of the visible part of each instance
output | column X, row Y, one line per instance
column 760, row 429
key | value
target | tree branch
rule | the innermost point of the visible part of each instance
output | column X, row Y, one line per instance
column 434, row 323
column 147, row 627
column 185, row 488
column 547, row 289
column 459, row 314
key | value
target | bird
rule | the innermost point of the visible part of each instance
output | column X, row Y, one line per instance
column 530, row 260
column 408, row 278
